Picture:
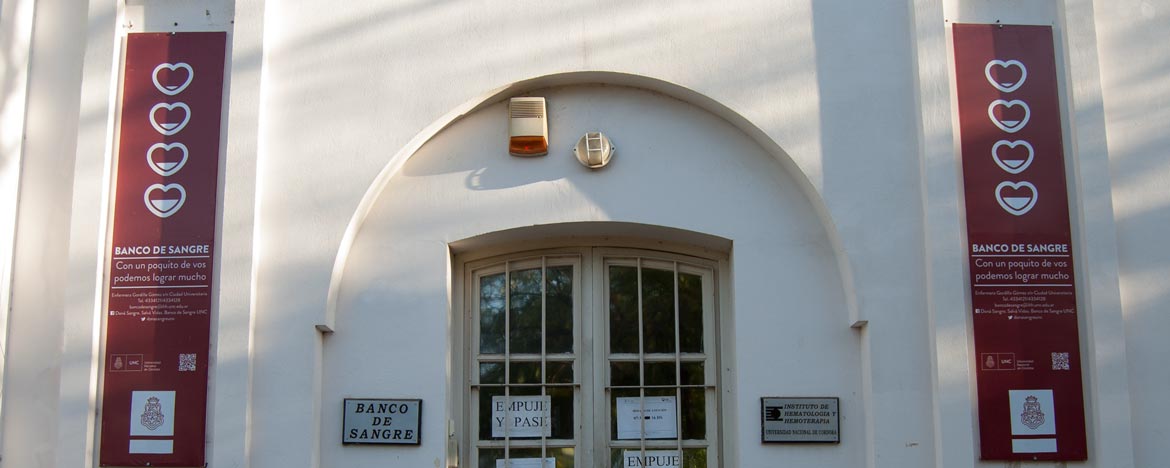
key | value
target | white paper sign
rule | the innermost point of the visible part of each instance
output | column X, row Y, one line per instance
column 527, row 463
column 659, row 416
column 521, row 416
column 651, row 459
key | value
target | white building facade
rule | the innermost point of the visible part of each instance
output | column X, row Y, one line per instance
column 783, row 217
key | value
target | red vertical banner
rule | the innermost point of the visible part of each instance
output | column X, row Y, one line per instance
column 1023, row 293
column 162, row 249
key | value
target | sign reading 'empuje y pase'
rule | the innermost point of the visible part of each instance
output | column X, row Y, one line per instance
column 381, row 421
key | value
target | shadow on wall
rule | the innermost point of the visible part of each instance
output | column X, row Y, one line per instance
column 866, row 78
column 1136, row 103
column 574, row 108
column 373, row 51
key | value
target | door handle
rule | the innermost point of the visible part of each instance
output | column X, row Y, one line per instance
column 452, row 446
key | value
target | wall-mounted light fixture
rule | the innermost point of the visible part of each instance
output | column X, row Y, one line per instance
column 527, row 127
column 594, row 150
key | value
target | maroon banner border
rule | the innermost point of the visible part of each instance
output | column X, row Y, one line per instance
column 162, row 251
column 1020, row 253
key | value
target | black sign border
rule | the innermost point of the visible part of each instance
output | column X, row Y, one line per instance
column 417, row 440
column 763, row 440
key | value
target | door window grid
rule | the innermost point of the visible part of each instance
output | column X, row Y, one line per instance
column 691, row 362
column 681, row 384
column 489, row 364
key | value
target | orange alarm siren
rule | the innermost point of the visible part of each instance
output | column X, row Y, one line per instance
column 527, row 127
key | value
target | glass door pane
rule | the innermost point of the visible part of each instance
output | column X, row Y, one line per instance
column 525, row 388
column 543, row 392
column 658, row 386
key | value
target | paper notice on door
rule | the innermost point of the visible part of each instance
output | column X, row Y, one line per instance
column 521, row 416
column 527, row 463
column 651, row 458
column 656, row 417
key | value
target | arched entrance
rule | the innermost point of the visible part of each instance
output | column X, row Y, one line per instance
column 402, row 284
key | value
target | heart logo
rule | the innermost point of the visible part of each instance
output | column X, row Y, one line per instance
column 1004, row 83
column 165, row 205
column 163, row 166
column 1019, row 200
column 167, row 127
column 1011, row 122
column 1015, row 161
column 171, row 90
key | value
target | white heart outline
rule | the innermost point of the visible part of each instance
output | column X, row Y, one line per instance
column 1008, row 104
column 165, row 188
column 170, row 107
column 1016, row 186
column 1012, row 144
column 165, row 147
column 172, row 67
column 1005, row 64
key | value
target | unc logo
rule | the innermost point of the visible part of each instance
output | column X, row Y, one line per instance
column 1032, row 416
column 152, row 417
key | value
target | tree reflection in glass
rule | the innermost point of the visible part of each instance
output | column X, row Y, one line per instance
column 491, row 314
column 524, row 311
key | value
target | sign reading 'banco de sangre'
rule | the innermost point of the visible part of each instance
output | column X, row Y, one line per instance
column 381, row 421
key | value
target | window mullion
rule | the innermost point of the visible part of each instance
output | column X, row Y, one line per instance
column 711, row 357
column 596, row 300
column 507, row 359
column 677, row 367
column 543, row 353
column 641, row 366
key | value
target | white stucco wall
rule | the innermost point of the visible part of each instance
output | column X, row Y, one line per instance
column 678, row 166
column 1135, row 98
column 44, row 139
column 778, row 65
column 327, row 102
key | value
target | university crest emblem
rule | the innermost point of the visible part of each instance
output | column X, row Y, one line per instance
column 1032, row 416
column 152, row 417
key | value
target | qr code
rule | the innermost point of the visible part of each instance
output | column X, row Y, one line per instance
column 187, row 362
column 1059, row 361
